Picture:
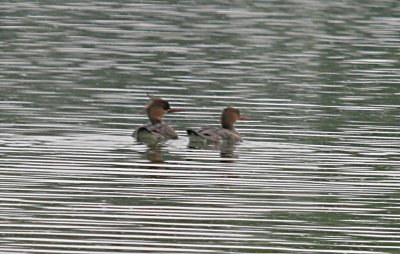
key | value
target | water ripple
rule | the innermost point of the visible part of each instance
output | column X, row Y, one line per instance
column 317, row 173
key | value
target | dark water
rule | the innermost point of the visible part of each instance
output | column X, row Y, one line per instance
column 318, row 171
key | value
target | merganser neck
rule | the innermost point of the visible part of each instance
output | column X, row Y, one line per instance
column 155, row 121
column 155, row 114
column 228, row 125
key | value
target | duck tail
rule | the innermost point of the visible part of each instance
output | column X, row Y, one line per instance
column 195, row 138
column 191, row 132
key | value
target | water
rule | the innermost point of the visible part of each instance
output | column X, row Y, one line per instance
column 318, row 171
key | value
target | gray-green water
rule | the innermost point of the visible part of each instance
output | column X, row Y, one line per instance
column 318, row 171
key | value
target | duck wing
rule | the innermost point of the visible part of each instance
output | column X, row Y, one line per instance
column 213, row 135
column 204, row 134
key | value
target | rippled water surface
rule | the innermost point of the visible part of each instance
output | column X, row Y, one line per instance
column 318, row 171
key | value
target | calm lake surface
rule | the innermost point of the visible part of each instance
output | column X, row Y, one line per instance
column 318, row 171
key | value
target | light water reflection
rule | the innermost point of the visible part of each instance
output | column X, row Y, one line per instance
column 318, row 171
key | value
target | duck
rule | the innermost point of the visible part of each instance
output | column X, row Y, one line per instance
column 156, row 131
column 227, row 132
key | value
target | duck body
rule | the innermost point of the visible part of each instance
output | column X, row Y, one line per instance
column 213, row 135
column 156, row 131
column 226, row 133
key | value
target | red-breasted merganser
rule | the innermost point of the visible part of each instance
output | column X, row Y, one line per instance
column 156, row 131
column 213, row 135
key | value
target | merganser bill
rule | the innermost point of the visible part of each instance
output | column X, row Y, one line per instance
column 213, row 135
column 157, row 131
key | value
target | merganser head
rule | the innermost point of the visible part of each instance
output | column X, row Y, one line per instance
column 229, row 117
column 156, row 108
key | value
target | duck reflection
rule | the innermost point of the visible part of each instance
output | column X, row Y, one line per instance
column 226, row 149
column 154, row 153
